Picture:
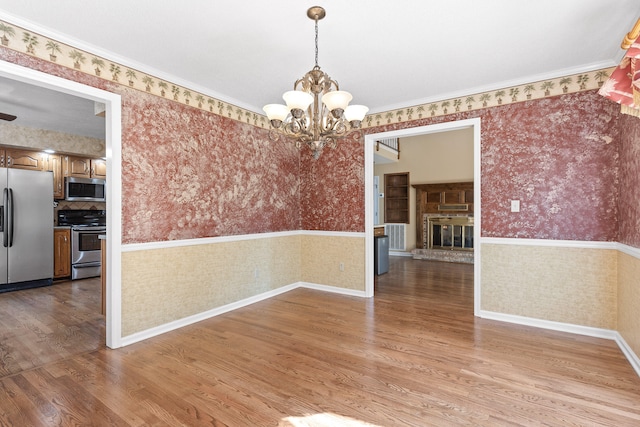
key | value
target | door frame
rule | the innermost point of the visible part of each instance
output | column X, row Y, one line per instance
column 369, row 144
column 113, row 147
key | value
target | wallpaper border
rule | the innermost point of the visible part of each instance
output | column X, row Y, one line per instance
column 24, row 40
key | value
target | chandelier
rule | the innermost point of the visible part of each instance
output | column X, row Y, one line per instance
column 317, row 111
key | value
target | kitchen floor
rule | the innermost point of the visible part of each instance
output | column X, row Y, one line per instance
column 42, row 325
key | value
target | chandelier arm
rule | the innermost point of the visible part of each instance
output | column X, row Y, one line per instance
column 335, row 127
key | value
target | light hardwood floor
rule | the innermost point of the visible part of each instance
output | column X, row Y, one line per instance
column 413, row 355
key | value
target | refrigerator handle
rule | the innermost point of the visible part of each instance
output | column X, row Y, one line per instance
column 3, row 219
column 9, row 218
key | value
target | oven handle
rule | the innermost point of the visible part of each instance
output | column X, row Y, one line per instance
column 87, row 265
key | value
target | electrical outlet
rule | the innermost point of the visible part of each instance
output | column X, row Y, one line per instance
column 515, row 206
column 342, row 266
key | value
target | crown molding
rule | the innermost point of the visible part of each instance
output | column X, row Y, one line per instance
column 51, row 46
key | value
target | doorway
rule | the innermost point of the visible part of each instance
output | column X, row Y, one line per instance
column 113, row 144
column 369, row 186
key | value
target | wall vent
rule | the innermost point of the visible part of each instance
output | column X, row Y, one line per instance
column 396, row 233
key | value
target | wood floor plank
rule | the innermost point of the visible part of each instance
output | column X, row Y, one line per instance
column 414, row 355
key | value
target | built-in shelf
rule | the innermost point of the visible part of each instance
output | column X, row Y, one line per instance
column 396, row 198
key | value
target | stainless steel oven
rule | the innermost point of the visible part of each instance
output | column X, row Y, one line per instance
column 85, row 251
column 86, row 227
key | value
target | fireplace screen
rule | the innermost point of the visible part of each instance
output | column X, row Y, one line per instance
column 453, row 233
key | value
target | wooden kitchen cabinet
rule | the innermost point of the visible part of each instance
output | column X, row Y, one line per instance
column 79, row 167
column 61, row 253
column 23, row 159
column 99, row 168
column 54, row 164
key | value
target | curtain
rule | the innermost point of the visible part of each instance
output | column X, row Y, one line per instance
column 623, row 86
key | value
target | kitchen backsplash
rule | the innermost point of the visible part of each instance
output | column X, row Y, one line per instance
column 64, row 205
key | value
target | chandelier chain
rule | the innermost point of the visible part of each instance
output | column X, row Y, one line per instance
column 316, row 41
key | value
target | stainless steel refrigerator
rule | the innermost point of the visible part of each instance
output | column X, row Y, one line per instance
column 26, row 229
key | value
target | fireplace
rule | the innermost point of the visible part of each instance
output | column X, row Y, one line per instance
column 444, row 229
column 449, row 232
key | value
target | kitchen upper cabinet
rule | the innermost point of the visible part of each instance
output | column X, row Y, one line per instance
column 60, row 164
column 77, row 166
column 61, row 253
column 22, row 159
column 54, row 164
column 99, row 168
column 81, row 167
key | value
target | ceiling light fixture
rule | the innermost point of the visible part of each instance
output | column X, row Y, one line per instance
column 317, row 111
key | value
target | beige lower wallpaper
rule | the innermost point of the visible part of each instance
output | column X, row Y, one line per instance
column 629, row 300
column 164, row 285
column 569, row 285
column 333, row 261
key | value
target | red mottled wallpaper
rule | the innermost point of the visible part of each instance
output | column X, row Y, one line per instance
column 629, row 203
column 558, row 156
column 332, row 187
column 187, row 174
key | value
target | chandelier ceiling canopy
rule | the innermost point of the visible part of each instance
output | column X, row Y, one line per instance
column 317, row 112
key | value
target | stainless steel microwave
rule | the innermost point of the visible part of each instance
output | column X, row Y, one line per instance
column 85, row 189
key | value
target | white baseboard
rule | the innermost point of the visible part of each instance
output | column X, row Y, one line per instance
column 176, row 324
column 548, row 324
column 628, row 352
column 400, row 253
column 333, row 289
column 571, row 328
column 509, row 318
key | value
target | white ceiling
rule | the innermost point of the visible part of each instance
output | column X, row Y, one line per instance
column 388, row 54
column 40, row 108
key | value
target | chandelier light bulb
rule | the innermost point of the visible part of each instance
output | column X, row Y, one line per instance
column 297, row 102
column 355, row 113
column 276, row 113
column 337, row 99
